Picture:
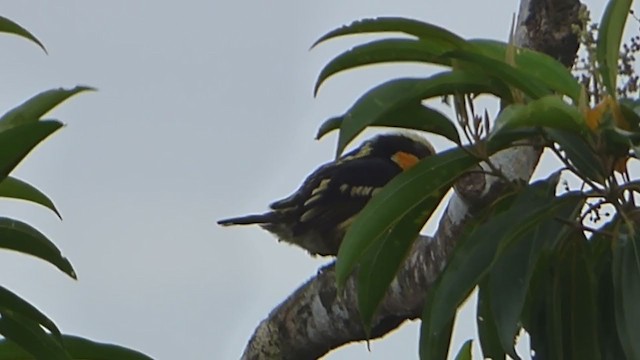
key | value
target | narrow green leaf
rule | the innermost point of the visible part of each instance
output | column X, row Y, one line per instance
column 549, row 111
column 475, row 253
column 438, row 347
column 465, row 350
column 380, row 264
column 403, row 195
column 376, row 105
column 411, row 116
column 36, row 107
column 602, row 258
column 626, row 284
column 78, row 349
column 631, row 112
column 10, row 302
column 328, row 126
column 487, row 328
column 10, row 27
column 519, row 79
column 575, row 287
column 412, row 27
column 17, row 142
column 511, row 273
column 579, row 153
column 609, row 38
column 543, row 67
column 31, row 337
column 18, row 236
column 384, row 51
column 14, row 188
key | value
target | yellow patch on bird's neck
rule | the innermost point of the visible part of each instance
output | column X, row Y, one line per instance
column 405, row 160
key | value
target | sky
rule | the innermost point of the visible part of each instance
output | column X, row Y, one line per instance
column 204, row 110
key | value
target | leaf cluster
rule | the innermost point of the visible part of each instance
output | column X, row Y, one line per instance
column 537, row 262
column 28, row 333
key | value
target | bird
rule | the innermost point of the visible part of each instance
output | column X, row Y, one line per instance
column 317, row 215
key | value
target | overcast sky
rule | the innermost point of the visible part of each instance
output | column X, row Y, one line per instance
column 204, row 111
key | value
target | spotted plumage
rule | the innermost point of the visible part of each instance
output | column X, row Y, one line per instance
column 316, row 216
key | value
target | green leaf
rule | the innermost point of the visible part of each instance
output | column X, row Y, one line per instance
column 31, row 337
column 512, row 270
column 549, row 111
column 543, row 67
column 626, row 285
column 36, row 107
column 487, row 328
column 17, row 142
column 535, row 316
column 383, row 51
column 412, row 27
column 14, row 188
column 631, row 112
column 475, row 253
column 18, row 236
column 602, row 258
column 422, row 185
column 465, row 351
column 519, row 79
column 411, row 116
column 78, row 349
column 575, row 288
column 10, row 302
column 609, row 38
column 10, row 27
column 376, row 105
column 439, row 347
column 579, row 153
column 382, row 261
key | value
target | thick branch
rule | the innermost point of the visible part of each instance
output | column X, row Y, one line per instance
column 315, row 319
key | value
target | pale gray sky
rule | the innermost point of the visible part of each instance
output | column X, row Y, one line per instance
column 204, row 111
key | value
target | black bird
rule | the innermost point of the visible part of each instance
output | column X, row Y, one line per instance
column 317, row 215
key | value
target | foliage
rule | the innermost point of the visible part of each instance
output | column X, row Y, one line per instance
column 546, row 260
column 28, row 332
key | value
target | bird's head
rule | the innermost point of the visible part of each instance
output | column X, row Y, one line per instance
column 403, row 148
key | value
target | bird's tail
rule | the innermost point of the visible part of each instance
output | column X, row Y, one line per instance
column 249, row 219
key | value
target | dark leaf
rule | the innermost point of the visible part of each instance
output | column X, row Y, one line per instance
column 17, row 142
column 476, row 252
column 549, row 112
column 519, row 79
column 10, row 302
column 412, row 27
column 609, row 38
column 383, row 51
column 376, row 105
column 543, row 67
column 579, row 153
column 509, row 279
column 487, row 329
column 36, row 107
column 14, row 188
column 18, row 236
column 381, row 262
column 412, row 116
column 31, row 337
column 626, row 286
column 10, row 27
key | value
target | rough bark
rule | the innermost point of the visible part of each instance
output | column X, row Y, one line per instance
column 316, row 319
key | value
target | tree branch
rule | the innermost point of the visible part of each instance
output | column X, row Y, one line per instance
column 316, row 319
